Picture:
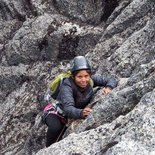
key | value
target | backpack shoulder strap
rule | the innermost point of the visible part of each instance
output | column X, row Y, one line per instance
column 91, row 82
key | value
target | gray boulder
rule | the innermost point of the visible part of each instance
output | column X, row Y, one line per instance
column 123, row 136
column 38, row 39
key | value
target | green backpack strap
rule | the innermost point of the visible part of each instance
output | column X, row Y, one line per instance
column 91, row 83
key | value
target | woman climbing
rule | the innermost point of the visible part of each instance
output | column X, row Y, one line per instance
column 75, row 93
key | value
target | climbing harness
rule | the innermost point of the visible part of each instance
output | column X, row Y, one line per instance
column 54, row 108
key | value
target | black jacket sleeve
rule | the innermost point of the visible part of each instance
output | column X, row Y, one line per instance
column 104, row 81
column 67, row 99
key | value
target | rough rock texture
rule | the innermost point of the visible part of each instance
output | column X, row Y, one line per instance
column 130, row 134
column 48, row 37
column 90, row 11
column 38, row 38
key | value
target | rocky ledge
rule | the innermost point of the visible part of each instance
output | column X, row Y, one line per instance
column 38, row 40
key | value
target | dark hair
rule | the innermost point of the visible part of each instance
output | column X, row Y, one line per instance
column 76, row 72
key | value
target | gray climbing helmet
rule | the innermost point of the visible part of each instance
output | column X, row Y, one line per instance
column 79, row 63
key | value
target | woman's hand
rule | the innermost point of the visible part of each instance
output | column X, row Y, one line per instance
column 86, row 111
column 106, row 90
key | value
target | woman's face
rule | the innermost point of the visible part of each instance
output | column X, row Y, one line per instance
column 82, row 78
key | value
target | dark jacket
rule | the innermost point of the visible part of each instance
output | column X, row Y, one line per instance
column 74, row 99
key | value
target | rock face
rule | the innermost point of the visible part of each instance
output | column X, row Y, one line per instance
column 128, row 134
column 38, row 40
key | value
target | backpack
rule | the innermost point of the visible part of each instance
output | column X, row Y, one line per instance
column 55, row 84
